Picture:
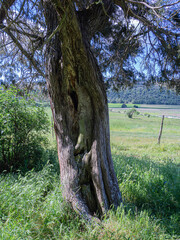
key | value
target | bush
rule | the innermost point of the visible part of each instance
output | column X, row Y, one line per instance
column 135, row 106
column 22, row 128
column 131, row 112
column 124, row 105
column 147, row 115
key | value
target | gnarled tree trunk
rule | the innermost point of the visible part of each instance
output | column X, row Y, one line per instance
column 80, row 111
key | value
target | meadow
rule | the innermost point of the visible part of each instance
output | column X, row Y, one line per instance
column 149, row 179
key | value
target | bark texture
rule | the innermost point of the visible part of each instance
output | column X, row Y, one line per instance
column 80, row 112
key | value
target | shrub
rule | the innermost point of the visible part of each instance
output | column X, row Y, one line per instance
column 124, row 105
column 22, row 128
column 147, row 115
column 135, row 106
column 131, row 112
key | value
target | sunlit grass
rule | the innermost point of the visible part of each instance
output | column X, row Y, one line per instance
column 148, row 174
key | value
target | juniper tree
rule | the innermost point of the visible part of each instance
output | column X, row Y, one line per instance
column 55, row 39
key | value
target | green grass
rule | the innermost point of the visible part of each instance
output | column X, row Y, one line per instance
column 32, row 206
column 139, row 137
column 148, row 175
column 153, row 110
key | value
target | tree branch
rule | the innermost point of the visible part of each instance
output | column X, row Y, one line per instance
column 144, row 20
column 96, row 16
column 24, row 52
column 153, row 7
column 122, row 4
column 6, row 4
column 31, row 35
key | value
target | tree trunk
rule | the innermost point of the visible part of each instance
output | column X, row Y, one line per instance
column 80, row 112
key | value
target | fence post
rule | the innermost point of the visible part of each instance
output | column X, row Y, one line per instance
column 160, row 132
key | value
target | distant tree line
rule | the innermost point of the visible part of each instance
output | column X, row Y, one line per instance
column 143, row 95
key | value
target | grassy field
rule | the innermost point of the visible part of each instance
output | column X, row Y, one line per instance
column 154, row 110
column 149, row 179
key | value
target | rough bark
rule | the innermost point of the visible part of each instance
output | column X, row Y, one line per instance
column 80, row 112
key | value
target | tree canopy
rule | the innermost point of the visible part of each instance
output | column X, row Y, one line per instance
column 133, row 40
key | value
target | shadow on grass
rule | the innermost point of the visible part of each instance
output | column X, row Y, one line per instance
column 150, row 186
column 35, row 161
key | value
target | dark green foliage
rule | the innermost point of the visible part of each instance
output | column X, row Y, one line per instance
column 142, row 95
column 131, row 112
column 22, row 126
column 116, row 56
column 124, row 105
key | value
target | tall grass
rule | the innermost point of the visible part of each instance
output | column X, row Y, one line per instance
column 148, row 174
column 32, row 206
